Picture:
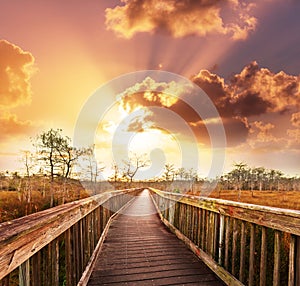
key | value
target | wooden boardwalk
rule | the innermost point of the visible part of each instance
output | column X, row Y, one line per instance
column 139, row 250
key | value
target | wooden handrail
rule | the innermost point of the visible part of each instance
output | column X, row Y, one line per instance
column 285, row 220
column 244, row 244
column 22, row 238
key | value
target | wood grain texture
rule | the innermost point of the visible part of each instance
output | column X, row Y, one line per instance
column 140, row 250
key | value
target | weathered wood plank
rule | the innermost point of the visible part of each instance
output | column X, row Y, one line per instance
column 24, row 274
column 251, row 256
column 227, row 234
column 234, row 247
column 221, row 238
column 242, row 254
column 154, row 256
column 276, row 272
column 263, row 258
column 291, row 279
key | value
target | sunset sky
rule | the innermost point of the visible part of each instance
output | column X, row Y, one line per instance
column 245, row 56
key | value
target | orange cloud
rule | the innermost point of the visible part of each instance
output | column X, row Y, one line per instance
column 11, row 126
column 295, row 119
column 251, row 106
column 16, row 69
column 256, row 93
column 181, row 18
column 280, row 91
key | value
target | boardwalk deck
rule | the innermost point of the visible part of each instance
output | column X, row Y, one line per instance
column 139, row 250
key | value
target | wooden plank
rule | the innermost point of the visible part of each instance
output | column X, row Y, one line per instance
column 263, row 258
column 234, row 247
column 227, row 234
column 203, row 230
column 24, row 274
column 242, row 253
column 69, row 258
column 168, row 261
column 221, row 239
column 297, row 261
column 56, row 261
column 292, row 255
column 216, row 233
column 36, row 269
column 91, row 264
column 199, row 227
column 251, row 256
column 276, row 272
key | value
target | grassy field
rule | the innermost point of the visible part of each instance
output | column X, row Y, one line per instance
column 280, row 199
column 35, row 196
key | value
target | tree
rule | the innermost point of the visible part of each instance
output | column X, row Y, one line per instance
column 116, row 173
column 181, row 173
column 260, row 177
column 133, row 164
column 28, row 161
column 169, row 172
column 48, row 145
column 56, row 151
column 93, row 167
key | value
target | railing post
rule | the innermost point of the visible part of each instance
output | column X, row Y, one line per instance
column 276, row 272
column 24, row 274
column 69, row 258
column 242, row 252
column 221, row 238
column 297, row 267
column 292, row 255
column 263, row 257
column 252, row 253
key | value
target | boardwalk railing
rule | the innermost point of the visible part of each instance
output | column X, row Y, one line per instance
column 243, row 244
column 54, row 247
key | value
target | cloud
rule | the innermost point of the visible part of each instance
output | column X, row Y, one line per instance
column 256, row 93
column 181, row 18
column 295, row 119
column 11, row 126
column 16, row 69
column 256, row 106
column 280, row 92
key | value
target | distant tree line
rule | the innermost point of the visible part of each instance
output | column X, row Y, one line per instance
column 243, row 177
column 54, row 156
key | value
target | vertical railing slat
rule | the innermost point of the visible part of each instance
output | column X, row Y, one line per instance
column 242, row 254
column 227, row 234
column 276, row 272
column 291, row 279
column 251, row 255
column 221, row 238
column 263, row 257
column 24, row 274
column 234, row 247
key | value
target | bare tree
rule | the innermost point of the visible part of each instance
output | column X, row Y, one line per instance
column 181, row 172
column 29, row 163
column 115, row 177
column 133, row 164
column 169, row 172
